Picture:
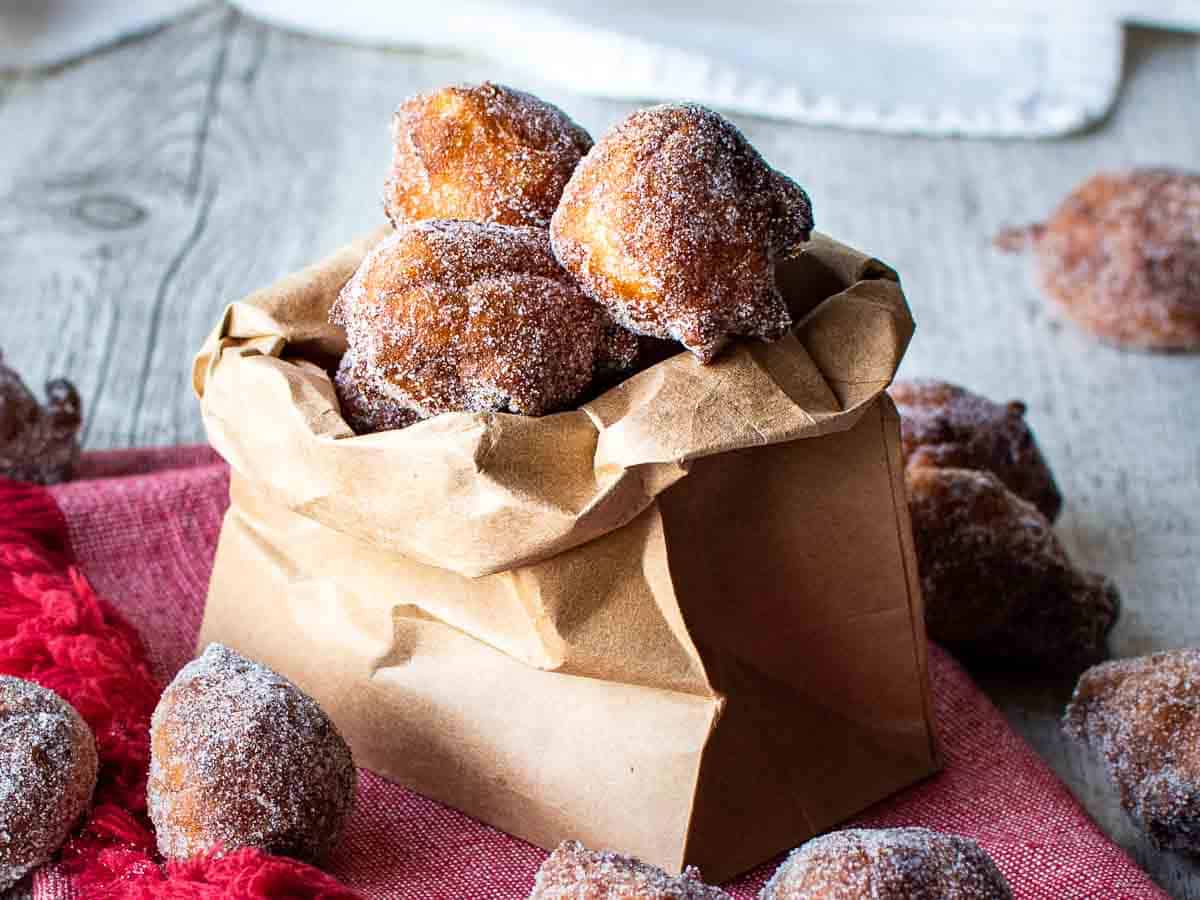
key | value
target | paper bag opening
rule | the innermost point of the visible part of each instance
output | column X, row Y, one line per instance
column 681, row 622
column 482, row 493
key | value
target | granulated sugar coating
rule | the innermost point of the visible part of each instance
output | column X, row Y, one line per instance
column 484, row 152
column 47, row 774
column 470, row 317
column 1143, row 717
column 673, row 222
column 947, row 426
column 241, row 757
column 998, row 585
column 572, row 872
column 366, row 404
column 1121, row 256
column 888, row 864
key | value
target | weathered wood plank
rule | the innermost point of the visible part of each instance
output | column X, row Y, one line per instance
column 98, row 203
column 144, row 188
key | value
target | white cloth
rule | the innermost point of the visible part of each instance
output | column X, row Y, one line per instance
column 998, row 69
column 37, row 33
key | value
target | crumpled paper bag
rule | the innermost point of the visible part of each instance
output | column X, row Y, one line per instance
column 484, row 493
column 681, row 621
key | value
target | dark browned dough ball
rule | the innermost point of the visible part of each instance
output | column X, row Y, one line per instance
column 38, row 443
column 947, row 426
column 997, row 584
column 48, row 767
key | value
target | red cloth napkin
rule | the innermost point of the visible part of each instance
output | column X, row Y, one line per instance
column 143, row 527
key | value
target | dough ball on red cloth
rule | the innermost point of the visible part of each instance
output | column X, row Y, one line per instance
column 573, row 872
column 888, row 864
column 241, row 757
column 1143, row 717
column 483, row 152
column 47, row 774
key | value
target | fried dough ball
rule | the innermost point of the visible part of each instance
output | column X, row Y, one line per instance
column 367, row 407
column 888, row 864
column 38, row 443
column 48, row 769
column 1121, row 257
column 947, row 426
column 998, row 585
column 1143, row 717
column 483, row 152
column 471, row 317
column 673, row 222
column 241, row 757
column 572, row 872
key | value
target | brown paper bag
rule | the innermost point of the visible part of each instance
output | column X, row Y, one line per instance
column 681, row 622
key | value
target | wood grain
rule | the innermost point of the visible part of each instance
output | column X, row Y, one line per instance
column 146, row 187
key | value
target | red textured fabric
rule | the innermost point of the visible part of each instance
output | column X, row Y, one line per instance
column 56, row 631
column 146, row 540
column 242, row 875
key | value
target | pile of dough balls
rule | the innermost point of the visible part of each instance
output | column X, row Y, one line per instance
column 999, row 588
column 529, row 267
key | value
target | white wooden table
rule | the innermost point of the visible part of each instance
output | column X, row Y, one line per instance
column 145, row 187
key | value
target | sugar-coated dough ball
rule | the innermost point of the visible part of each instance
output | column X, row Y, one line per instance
column 1121, row 257
column 572, row 872
column 473, row 317
column 947, row 426
column 997, row 584
column 483, row 152
column 1143, row 717
column 888, row 864
column 241, row 757
column 366, row 405
column 673, row 222
column 48, row 769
